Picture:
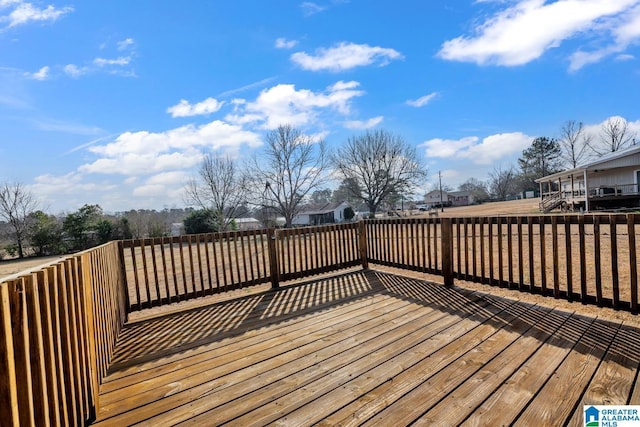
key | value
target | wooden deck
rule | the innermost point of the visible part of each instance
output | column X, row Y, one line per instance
column 369, row 348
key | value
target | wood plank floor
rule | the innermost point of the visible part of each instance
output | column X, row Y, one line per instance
column 369, row 348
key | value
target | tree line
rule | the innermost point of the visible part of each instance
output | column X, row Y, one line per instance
column 28, row 230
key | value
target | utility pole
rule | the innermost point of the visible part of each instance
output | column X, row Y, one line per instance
column 441, row 200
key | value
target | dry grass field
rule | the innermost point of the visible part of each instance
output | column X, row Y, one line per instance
column 13, row 266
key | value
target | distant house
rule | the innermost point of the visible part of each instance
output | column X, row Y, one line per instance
column 609, row 182
column 436, row 198
column 460, row 198
column 448, row 198
column 247, row 223
column 321, row 213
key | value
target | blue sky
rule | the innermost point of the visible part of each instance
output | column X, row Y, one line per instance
column 114, row 102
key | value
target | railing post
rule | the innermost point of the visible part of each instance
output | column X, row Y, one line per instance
column 89, row 308
column 123, row 276
column 447, row 250
column 273, row 258
column 362, row 243
column 8, row 383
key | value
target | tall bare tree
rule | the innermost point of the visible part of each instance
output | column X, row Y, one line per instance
column 502, row 182
column 377, row 165
column 615, row 136
column 16, row 203
column 575, row 143
column 220, row 186
column 291, row 167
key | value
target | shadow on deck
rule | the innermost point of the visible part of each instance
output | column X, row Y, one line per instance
column 368, row 348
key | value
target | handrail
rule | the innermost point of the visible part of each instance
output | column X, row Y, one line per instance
column 551, row 202
column 58, row 327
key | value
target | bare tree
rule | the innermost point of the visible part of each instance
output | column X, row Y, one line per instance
column 220, row 186
column 615, row 136
column 16, row 205
column 476, row 187
column 502, row 182
column 575, row 143
column 291, row 167
column 378, row 165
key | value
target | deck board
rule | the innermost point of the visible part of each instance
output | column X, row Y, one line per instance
column 368, row 348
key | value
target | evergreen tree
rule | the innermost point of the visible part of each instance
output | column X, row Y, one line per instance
column 542, row 158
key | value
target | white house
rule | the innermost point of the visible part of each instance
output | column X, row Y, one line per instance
column 436, row 198
column 448, row 198
column 321, row 213
column 247, row 223
column 609, row 182
column 460, row 198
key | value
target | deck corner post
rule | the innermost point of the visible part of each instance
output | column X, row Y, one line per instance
column 362, row 243
column 447, row 250
column 273, row 258
column 123, row 278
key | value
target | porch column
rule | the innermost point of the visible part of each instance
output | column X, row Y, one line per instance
column 560, row 186
column 573, row 194
column 586, row 192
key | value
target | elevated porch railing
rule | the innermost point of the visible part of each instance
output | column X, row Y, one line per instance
column 553, row 200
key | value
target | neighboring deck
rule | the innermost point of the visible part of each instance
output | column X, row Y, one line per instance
column 368, row 348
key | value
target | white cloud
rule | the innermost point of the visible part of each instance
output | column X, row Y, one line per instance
column 41, row 74
column 363, row 124
column 125, row 44
column 24, row 12
column 73, row 70
column 165, row 185
column 625, row 57
column 185, row 109
column 423, row 100
column 282, row 43
column 311, row 8
column 73, row 188
column 445, row 148
column 66, row 127
column 345, row 56
column 283, row 103
column 120, row 61
column 141, row 153
column 487, row 151
column 120, row 65
column 523, row 32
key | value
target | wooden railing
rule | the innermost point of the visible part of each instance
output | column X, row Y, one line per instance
column 590, row 258
column 301, row 252
column 165, row 270
column 587, row 258
column 59, row 324
column 58, row 327
column 412, row 243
